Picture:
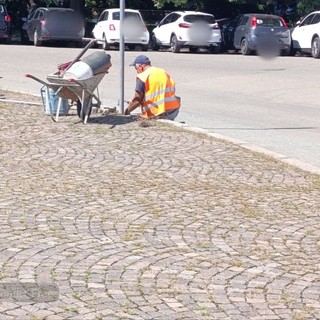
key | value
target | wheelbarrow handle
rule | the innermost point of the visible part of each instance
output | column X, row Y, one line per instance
column 28, row 75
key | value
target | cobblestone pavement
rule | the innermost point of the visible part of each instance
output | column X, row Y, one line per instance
column 111, row 220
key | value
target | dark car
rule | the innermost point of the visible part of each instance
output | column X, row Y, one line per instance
column 5, row 24
column 54, row 24
column 256, row 32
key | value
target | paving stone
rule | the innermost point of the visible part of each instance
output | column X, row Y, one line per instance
column 158, row 222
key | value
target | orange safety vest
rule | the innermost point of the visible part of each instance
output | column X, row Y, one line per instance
column 160, row 92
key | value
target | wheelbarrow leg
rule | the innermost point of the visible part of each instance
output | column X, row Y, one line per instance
column 84, row 107
column 87, row 110
column 48, row 104
column 47, row 101
column 58, row 108
column 82, row 104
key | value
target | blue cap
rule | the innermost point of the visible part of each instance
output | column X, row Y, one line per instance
column 140, row 60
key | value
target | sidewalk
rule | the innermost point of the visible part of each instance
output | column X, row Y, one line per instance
column 111, row 220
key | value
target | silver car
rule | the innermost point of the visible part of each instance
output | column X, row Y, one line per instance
column 255, row 32
column 54, row 24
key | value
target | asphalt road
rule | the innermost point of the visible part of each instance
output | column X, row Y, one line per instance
column 272, row 104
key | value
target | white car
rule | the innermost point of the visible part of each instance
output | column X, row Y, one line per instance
column 107, row 29
column 192, row 29
column 305, row 36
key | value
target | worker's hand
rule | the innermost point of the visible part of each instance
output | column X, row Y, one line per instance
column 126, row 112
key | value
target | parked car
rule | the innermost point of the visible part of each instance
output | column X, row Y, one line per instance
column 5, row 24
column 54, row 24
column 256, row 32
column 191, row 29
column 305, row 36
column 107, row 29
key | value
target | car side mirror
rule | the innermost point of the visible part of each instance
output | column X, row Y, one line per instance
column 24, row 19
column 298, row 23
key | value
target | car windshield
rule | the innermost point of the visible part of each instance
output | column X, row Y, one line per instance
column 269, row 22
column 192, row 18
column 127, row 15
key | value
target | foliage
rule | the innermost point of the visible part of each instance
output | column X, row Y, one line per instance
column 306, row 6
column 161, row 3
column 92, row 8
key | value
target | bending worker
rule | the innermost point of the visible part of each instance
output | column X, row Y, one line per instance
column 155, row 92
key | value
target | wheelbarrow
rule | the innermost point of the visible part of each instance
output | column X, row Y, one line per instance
column 76, row 81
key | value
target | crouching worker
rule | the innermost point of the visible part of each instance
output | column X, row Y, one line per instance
column 155, row 92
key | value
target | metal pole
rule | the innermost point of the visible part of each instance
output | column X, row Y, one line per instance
column 121, row 50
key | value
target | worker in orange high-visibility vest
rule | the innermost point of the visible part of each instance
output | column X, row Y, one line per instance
column 154, row 92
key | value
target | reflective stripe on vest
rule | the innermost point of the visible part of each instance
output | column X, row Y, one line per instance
column 154, row 94
column 159, row 102
column 160, row 92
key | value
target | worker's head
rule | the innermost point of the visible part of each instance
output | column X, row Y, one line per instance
column 141, row 63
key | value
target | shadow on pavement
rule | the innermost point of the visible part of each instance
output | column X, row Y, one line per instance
column 113, row 120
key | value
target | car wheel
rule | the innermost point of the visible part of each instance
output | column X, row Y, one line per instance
column 315, row 49
column 105, row 44
column 131, row 46
column 174, row 44
column 244, row 47
column 193, row 49
column 36, row 40
column 154, row 45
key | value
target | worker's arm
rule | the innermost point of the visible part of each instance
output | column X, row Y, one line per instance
column 135, row 102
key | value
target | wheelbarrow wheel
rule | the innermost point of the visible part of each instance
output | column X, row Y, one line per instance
column 82, row 116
